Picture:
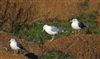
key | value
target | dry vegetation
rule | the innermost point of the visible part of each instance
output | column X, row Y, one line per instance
column 83, row 46
column 15, row 13
column 6, row 52
column 94, row 5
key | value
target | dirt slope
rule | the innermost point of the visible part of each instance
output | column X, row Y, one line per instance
column 79, row 46
column 18, row 12
column 7, row 53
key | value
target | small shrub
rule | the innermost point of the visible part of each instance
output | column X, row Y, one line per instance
column 97, row 31
column 55, row 54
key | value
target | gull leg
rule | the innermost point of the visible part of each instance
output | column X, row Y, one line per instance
column 52, row 38
column 14, row 52
column 75, row 32
column 79, row 32
column 17, row 51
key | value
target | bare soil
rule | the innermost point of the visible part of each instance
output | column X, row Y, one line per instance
column 19, row 12
column 77, row 46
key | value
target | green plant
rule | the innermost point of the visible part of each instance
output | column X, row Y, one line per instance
column 33, row 32
column 55, row 54
column 90, row 21
column 84, row 5
column 97, row 31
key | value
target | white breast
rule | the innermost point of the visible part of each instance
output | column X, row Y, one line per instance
column 49, row 31
column 75, row 25
column 14, row 46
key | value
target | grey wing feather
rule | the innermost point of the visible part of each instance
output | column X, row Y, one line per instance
column 61, row 30
column 55, row 29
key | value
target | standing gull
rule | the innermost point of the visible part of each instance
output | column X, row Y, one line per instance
column 77, row 25
column 16, row 46
column 52, row 30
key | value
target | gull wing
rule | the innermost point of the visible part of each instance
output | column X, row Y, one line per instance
column 81, row 25
column 55, row 29
column 20, row 46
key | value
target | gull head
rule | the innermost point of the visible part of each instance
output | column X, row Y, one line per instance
column 44, row 27
column 12, row 40
column 73, row 20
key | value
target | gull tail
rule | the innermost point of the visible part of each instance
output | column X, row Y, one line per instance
column 86, row 26
column 25, row 50
column 61, row 30
column 87, row 30
column 22, row 48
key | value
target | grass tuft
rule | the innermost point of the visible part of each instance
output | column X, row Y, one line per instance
column 55, row 54
column 33, row 32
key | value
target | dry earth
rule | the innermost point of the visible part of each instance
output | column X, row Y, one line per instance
column 19, row 12
column 78, row 47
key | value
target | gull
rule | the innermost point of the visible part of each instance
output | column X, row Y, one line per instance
column 77, row 25
column 52, row 30
column 14, row 45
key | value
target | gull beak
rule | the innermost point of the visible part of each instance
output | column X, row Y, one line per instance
column 42, row 30
column 71, row 21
